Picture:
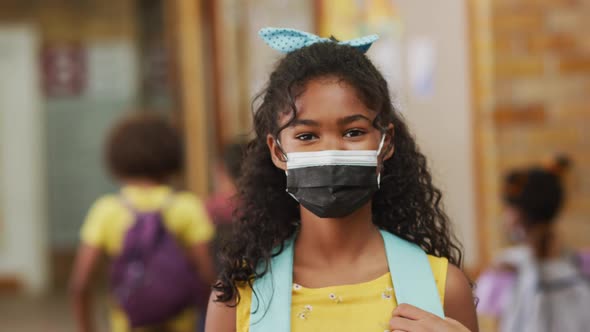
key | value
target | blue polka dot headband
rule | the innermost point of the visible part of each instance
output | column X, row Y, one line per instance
column 288, row 40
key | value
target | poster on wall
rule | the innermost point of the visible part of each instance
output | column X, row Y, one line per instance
column 421, row 67
column 64, row 70
column 348, row 19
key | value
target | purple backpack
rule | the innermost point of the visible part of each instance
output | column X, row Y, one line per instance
column 152, row 279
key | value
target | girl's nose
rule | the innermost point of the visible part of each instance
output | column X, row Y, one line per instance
column 333, row 142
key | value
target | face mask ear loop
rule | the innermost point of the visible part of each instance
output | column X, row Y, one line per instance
column 381, row 144
column 378, row 154
column 287, row 170
column 285, row 157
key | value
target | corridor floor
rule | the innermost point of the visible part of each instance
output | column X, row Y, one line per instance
column 48, row 314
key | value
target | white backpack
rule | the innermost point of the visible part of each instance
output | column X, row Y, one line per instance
column 551, row 296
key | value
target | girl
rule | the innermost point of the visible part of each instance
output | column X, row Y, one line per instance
column 143, row 152
column 354, row 177
column 540, row 285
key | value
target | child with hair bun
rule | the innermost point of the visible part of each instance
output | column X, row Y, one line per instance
column 542, row 284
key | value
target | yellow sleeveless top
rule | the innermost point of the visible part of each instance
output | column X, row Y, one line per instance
column 359, row 307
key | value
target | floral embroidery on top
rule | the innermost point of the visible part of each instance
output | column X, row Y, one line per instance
column 296, row 287
column 335, row 298
column 305, row 312
column 387, row 294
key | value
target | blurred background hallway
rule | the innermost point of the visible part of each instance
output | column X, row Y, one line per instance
column 487, row 85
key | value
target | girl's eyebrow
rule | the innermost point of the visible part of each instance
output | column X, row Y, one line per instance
column 304, row 122
column 341, row 122
column 352, row 118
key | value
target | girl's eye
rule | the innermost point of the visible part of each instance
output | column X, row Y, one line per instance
column 354, row 133
column 305, row 137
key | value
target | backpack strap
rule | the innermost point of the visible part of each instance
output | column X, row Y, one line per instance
column 410, row 270
column 271, row 297
column 411, row 274
column 151, row 233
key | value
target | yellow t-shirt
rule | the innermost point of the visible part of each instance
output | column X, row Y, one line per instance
column 109, row 219
column 360, row 307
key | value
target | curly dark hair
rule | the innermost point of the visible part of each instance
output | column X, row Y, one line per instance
column 232, row 157
column 144, row 145
column 407, row 204
column 537, row 191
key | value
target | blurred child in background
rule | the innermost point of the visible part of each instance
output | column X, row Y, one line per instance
column 541, row 284
column 157, row 239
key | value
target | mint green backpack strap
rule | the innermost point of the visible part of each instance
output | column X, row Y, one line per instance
column 411, row 274
column 271, row 299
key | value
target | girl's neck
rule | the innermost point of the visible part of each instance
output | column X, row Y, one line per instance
column 544, row 241
column 335, row 240
column 141, row 183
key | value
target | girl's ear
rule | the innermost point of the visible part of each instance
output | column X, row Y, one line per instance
column 388, row 146
column 276, row 152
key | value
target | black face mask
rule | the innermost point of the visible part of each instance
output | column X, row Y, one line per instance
column 333, row 184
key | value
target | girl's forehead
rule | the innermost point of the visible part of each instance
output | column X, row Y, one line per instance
column 328, row 99
column 328, row 89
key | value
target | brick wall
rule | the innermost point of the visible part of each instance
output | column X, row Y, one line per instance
column 532, row 92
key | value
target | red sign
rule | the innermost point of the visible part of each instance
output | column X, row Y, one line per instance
column 64, row 70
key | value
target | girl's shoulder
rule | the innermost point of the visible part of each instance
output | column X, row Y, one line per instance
column 186, row 200
column 106, row 205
